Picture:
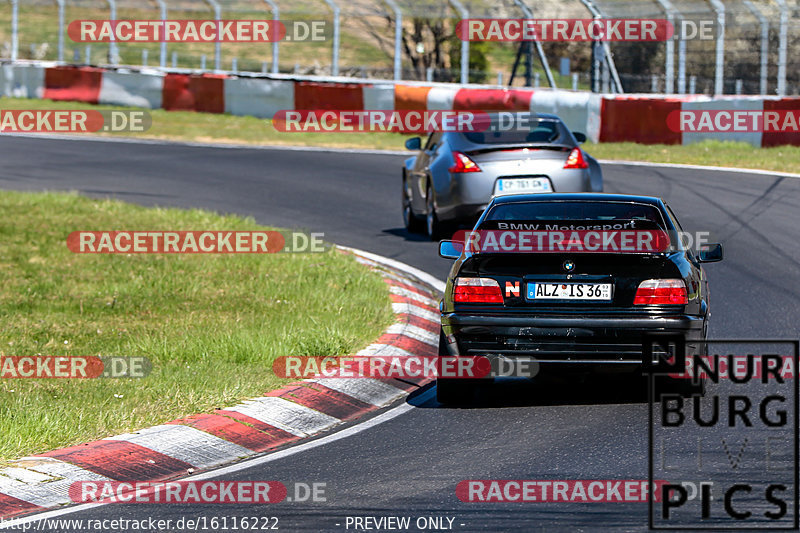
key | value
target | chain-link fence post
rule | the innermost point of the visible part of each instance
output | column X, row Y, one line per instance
column 782, row 38
column 719, row 62
column 276, row 15
column 335, row 60
column 458, row 6
column 217, row 45
column 398, row 38
column 14, row 29
column 762, row 20
column 669, row 67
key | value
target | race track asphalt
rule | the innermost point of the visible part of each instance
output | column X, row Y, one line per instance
column 411, row 464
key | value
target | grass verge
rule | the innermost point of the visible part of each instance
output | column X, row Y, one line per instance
column 211, row 325
column 206, row 127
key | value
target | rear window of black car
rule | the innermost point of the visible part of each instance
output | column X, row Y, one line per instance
column 644, row 214
column 543, row 132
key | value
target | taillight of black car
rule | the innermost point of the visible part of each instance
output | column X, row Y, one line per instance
column 661, row 292
column 477, row 291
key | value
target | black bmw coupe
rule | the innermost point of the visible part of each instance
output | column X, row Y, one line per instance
column 572, row 279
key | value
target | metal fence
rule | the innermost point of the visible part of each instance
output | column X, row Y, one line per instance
column 415, row 40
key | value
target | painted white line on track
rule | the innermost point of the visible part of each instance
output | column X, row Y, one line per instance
column 701, row 167
column 244, row 465
column 397, row 265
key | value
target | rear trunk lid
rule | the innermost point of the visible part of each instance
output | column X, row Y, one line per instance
column 521, row 275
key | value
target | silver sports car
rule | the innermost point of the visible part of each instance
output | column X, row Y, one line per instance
column 455, row 174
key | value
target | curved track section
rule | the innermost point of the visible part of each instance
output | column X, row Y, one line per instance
column 409, row 465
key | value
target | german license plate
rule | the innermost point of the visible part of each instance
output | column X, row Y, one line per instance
column 569, row 291
column 521, row 185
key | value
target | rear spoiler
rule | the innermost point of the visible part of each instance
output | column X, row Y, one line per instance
column 505, row 147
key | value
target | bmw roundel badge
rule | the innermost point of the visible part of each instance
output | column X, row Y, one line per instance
column 569, row 265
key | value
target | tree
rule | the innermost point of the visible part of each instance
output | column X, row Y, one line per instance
column 478, row 63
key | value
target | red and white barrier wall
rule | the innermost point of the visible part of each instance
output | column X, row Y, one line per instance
column 604, row 118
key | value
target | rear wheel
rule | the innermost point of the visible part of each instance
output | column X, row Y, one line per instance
column 410, row 220
column 452, row 391
column 433, row 226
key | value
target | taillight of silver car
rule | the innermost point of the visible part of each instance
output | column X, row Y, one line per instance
column 576, row 160
column 462, row 163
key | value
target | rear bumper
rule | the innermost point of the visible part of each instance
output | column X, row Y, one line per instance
column 465, row 196
column 462, row 212
column 606, row 340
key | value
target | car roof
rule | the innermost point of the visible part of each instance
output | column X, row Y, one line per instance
column 576, row 197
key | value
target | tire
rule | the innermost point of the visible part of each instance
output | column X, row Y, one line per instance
column 452, row 391
column 433, row 227
column 412, row 223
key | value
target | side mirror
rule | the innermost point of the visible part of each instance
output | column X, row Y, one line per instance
column 414, row 143
column 580, row 137
column 450, row 249
column 711, row 254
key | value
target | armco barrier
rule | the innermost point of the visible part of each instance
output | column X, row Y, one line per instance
column 441, row 98
column 729, row 104
column 132, row 89
column 79, row 84
column 638, row 119
column 603, row 118
column 775, row 138
column 22, row 80
column 191, row 92
column 314, row 95
column 378, row 96
column 580, row 111
column 258, row 97
column 410, row 97
column 492, row 100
